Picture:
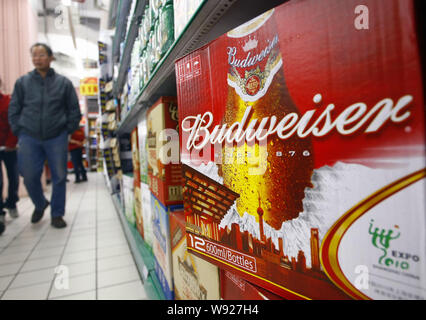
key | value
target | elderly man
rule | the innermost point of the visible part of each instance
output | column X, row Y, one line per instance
column 43, row 111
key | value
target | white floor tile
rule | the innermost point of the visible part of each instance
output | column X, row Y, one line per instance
column 82, row 238
column 30, row 235
column 81, row 268
column 24, row 242
column 117, row 276
column 109, row 229
column 52, row 237
column 42, row 252
column 75, row 233
column 126, row 291
column 50, row 244
column 81, row 256
column 4, row 282
column 75, row 285
column 33, row 277
column 24, row 248
column 105, row 252
column 10, row 269
column 119, row 241
column 115, row 262
column 91, row 255
column 35, row 292
column 89, row 295
column 43, row 263
column 13, row 257
column 78, row 247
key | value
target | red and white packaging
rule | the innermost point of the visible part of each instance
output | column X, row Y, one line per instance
column 303, row 149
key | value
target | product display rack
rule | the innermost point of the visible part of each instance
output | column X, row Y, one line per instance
column 129, row 40
column 211, row 19
column 120, row 26
column 92, row 145
column 141, row 254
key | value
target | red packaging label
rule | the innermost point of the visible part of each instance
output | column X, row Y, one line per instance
column 303, row 151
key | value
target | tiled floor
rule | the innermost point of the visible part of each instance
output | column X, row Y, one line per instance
column 89, row 260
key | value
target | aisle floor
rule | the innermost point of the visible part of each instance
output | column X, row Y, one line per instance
column 89, row 260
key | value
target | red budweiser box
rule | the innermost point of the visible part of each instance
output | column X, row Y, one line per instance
column 137, row 181
column 303, row 150
column 164, row 168
column 233, row 287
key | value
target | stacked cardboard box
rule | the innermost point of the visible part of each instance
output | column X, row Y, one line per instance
column 162, row 245
column 137, row 182
column 129, row 197
column 194, row 278
column 164, row 178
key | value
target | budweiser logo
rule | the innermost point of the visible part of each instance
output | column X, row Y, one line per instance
column 250, row 60
column 350, row 120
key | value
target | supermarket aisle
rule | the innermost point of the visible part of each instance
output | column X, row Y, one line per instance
column 90, row 259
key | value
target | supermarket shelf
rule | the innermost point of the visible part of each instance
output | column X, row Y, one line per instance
column 130, row 39
column 142, row 255
column 211, row 20
column 120, row 26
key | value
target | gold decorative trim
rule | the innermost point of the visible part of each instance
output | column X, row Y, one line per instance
column 330, row 244
column 251, row 274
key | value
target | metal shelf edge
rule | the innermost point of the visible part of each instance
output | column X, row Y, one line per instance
column 129, row 41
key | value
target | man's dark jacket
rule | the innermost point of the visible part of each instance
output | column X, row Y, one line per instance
column 44, row 108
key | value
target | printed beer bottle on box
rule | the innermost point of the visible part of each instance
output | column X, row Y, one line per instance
column 303, row 151
column 257, row 90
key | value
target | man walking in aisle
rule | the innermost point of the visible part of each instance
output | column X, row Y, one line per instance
column 8, row 156
column 43, row 111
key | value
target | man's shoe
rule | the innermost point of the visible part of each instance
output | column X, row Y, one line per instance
column 58, row 222
column 13, row 212
column 38, row 214
column 77, row 181
column 2, row 223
